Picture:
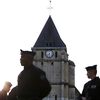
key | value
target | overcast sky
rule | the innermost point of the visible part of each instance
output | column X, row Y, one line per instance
column 78, row 24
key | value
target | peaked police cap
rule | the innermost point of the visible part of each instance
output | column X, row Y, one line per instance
column 27, row 52
column 91, row 67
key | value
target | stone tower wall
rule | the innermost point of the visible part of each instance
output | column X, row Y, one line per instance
column 58, row 73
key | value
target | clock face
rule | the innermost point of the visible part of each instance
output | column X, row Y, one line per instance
column 49, row 53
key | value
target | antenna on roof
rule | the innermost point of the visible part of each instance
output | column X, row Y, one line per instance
column 50, row 7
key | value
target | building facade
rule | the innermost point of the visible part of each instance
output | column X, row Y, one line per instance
column 52, row 57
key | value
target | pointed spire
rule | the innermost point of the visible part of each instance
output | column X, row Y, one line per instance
column 49, row 36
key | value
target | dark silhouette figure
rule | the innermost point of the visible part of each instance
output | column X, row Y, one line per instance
column 13, row 94
column 5, row 90
column 91, row 90
column 32, row 81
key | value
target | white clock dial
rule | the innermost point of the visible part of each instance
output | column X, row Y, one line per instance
column 49, row 53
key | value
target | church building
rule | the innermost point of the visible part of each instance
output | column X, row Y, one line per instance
column 52, row 57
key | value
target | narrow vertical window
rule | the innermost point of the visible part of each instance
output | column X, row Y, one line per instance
column 50, row 44
column 52, row 63
column 42, row 63
column 56, row 54
column 41, row 54
column 55, row 97
column 47, row 44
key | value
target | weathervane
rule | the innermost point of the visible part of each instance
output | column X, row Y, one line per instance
column 50, row 7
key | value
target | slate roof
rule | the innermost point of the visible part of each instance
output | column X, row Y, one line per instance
column 49, row 36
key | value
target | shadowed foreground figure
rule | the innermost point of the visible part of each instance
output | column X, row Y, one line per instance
column 5, row 90
column 32, row 81
column 13, row 94
column 91, row 90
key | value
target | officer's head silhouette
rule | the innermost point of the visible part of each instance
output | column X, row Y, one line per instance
column 26, row 58
column 91, row 71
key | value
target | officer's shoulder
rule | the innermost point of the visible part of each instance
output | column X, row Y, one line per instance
column 98, row 79
column 39, row 70
column 87, row 83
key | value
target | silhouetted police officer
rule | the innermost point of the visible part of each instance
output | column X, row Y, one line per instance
column 32, row 81
column 91, row 90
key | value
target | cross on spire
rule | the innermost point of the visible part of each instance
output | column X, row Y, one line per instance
column 50, row 7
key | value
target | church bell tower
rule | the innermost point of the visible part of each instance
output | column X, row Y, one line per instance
column 52, row 57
